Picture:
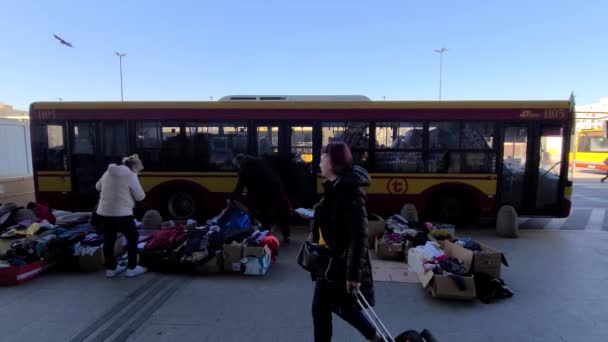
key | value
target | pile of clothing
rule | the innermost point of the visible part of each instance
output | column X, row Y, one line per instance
column 400, row 231
column 183, row 247
column 440, row 231
column 435, row 259
column 25, row 234
column 36, row 233
column 488, row 288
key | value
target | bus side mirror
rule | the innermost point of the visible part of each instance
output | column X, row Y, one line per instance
column 605, row 128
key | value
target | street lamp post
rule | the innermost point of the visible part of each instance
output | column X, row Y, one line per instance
column 440, row 52
column 120, row 56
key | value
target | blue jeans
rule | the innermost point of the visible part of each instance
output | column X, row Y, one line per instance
column 331, row 297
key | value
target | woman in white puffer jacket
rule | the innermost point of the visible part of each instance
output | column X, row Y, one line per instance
column 119, row 190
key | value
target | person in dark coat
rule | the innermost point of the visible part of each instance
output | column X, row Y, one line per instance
column 265, row 194
column 340, row 224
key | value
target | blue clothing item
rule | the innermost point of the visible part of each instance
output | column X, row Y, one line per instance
column 80, row 229
column 234, row 218
column 469, row 244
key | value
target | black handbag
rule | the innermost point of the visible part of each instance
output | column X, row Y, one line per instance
column 314, row 258
column 321, row 261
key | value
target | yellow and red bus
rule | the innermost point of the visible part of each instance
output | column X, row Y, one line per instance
column 591, row 149
column 451, row 159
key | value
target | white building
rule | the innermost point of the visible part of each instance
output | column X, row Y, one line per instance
column 592, row 116
column 8, row 112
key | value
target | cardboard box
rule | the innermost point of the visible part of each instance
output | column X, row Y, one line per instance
column 92, row 263
column 488, row 261
column 386, row 250
column 215, row 265
column 442, row 286
column 256, row 260
column 96, row 261
column 232, row 255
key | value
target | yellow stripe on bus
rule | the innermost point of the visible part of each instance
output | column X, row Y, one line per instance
column 54, row 183
column 382, row 183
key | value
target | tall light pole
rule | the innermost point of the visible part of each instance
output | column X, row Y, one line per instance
column 440, row 52
column 120, row 56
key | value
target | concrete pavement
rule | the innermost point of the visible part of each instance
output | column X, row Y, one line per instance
column 558, row 276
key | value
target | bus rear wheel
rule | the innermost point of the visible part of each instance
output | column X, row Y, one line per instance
column 181, row 205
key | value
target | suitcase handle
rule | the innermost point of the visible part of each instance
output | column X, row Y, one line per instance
column 373, row 317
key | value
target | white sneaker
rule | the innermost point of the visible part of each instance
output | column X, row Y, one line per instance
column 136, row 271
column 115, row 272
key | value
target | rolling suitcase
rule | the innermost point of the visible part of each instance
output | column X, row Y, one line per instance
column 406, row 336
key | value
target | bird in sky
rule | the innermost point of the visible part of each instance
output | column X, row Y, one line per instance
column 62, row 41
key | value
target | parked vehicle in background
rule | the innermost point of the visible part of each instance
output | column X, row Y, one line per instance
column 16, row 181
column 591, row 149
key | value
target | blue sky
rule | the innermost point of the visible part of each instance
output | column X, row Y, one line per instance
column 191, row 50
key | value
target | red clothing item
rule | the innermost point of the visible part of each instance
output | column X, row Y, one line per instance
column 42, row 212
column 166, row 239
column 272, row 243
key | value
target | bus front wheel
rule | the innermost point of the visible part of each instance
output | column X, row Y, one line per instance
column 455, row 207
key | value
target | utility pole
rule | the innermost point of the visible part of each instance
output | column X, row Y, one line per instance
column 440, row 52
column 120, row 56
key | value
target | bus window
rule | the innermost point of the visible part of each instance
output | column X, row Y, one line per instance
column 216, row 144
column 477, row 135
column 160, row 145
column 394, row 142
column 268, row 140
column 170, row 131
column 444, row 135
column 84, row 138
column 301, row 143
column 115, row 141
column 49, row 146
column 354, row 134
column 398, row 135
column 462, row 147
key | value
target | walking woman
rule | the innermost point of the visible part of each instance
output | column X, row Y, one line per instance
column 340, row 224
column 119, row 190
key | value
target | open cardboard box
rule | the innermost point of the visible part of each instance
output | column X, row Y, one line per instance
column 443, row 286
column 256, row 260
column 489, row 260
column 387, row 250
column 232, row 255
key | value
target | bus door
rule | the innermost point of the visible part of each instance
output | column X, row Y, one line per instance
column 551, row 166
column 85, row 166
column 531, row 168
column 289, row 148
column 303, row 146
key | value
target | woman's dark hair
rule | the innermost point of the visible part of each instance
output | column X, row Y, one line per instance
column 340, row 156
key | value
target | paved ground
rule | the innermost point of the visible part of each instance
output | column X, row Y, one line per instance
column 559, row 277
